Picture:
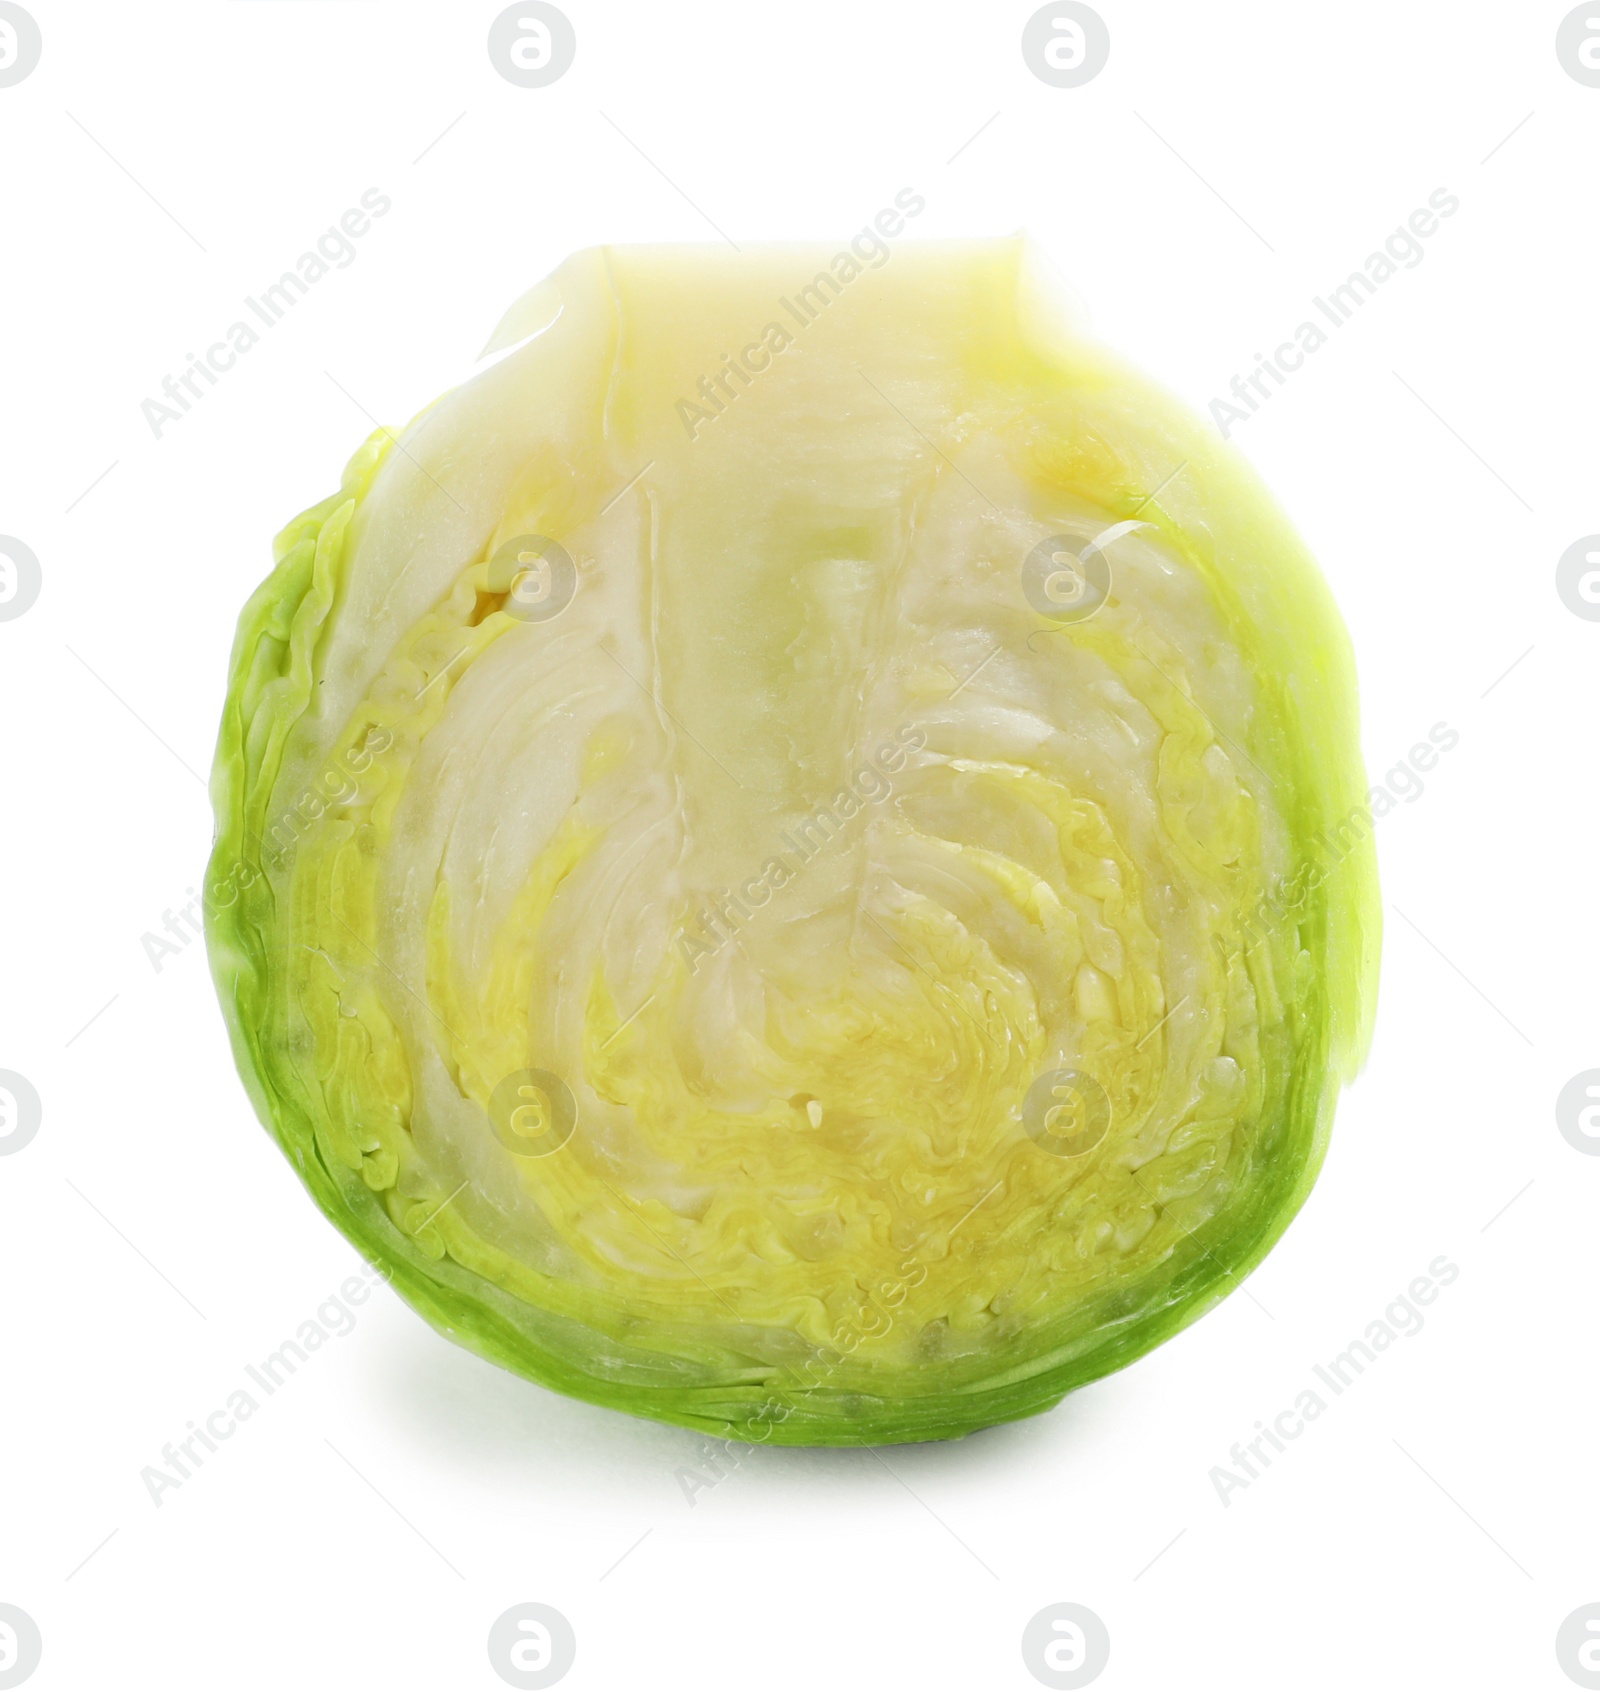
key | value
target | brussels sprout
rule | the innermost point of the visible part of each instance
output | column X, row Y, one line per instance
column 791, row 856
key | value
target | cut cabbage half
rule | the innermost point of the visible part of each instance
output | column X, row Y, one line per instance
column 791, row 856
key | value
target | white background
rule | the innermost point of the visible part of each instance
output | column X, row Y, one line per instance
column 1233, row 160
